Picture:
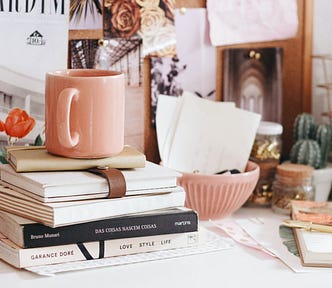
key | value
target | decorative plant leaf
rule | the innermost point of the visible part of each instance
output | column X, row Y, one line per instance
column 3, row 156
column 38, row 141
column 286, row 233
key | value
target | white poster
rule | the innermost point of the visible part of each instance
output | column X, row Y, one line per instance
column 34, row 40
column 247, row 21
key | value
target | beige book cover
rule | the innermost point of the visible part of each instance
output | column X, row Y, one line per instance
column 36, row 158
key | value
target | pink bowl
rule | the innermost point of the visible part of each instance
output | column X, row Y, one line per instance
column 218, row 196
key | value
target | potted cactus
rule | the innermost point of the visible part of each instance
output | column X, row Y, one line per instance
column 311, row 147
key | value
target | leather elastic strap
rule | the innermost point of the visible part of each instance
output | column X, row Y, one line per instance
column 115, row 179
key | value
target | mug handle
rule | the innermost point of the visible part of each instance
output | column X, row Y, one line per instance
column 65, row 99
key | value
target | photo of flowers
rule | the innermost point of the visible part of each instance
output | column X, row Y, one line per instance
column 14, row 97
column 17, row 125
column 150, row 20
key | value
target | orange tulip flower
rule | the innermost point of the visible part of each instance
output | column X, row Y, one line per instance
column 2, row 126
column 18, row 123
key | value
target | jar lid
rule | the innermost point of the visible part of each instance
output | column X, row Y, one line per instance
column 269, row 128
column 294, row 170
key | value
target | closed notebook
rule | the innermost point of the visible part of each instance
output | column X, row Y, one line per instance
column 74, row 212
column 30, row 234
column 55, row 186
column 30, row 257
column 36, row 158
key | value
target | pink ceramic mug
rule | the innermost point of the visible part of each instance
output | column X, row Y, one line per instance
column 84, row 113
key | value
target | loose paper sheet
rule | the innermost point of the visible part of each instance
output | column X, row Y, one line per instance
column 167, row 117
column 204, row 135
column 245, row 21
column 266, row 232
column 234, row 230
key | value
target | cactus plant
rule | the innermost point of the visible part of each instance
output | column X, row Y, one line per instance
column 323, row 137
column 306, row 151
column 304, row 126
column 312, row 143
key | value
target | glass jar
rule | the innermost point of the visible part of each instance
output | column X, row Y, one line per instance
column 266, row 152
column 292, row 182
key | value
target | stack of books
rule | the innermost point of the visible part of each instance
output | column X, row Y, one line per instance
column 54, row 210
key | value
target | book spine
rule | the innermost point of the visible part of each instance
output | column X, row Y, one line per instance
column 101, row 249
column 38, row 235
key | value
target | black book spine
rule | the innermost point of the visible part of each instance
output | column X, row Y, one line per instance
column 39, row 235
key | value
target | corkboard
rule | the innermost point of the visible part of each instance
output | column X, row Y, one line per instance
column 85, row 34
column 296, row 77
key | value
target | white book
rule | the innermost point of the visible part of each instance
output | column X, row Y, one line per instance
column 30, row 257
column 52, row 186
column 73, row 212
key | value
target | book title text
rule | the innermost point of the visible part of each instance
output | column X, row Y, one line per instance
column 33, row 6
column 126, row 228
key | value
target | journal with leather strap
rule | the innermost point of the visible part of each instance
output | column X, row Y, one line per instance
column 36, row 158
column 115, row 179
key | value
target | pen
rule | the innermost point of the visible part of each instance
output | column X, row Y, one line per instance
column 309, row 226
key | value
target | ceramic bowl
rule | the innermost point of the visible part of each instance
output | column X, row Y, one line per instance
column 218, row 196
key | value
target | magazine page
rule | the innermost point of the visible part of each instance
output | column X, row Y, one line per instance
column 35, row 34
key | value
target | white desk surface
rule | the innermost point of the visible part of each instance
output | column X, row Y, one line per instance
column 235, row 267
